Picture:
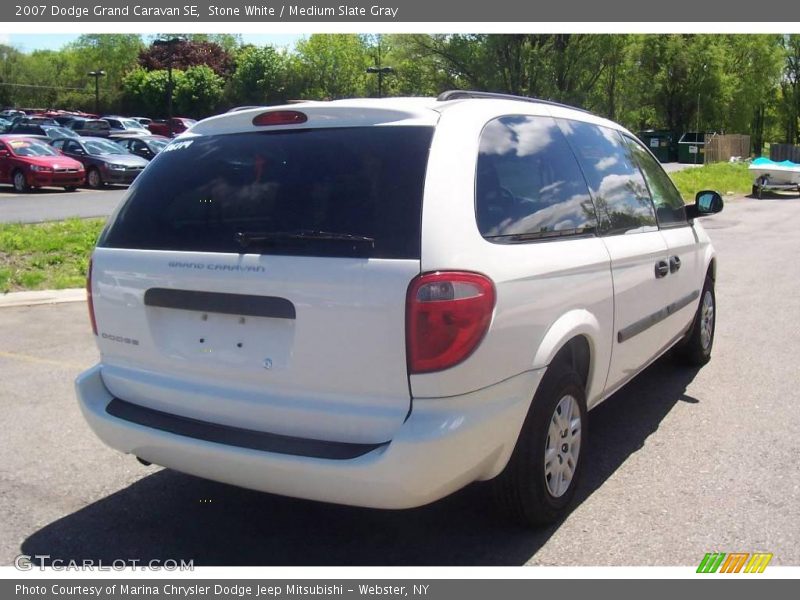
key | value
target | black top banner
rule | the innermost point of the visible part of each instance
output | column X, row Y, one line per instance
column 387, row 11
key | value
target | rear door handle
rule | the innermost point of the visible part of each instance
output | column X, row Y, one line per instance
column 662, row 269
column 674, row 263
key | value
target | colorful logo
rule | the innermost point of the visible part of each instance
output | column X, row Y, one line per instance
column 734, row 562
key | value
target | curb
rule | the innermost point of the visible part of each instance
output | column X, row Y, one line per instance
column 42, row 297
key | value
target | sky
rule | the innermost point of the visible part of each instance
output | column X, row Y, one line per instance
column 28, row 42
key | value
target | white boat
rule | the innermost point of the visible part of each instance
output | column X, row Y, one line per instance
column 785, row 172
column 784, row 175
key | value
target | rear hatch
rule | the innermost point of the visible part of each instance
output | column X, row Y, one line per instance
column 257, row 277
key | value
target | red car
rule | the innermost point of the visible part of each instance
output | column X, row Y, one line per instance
column 27, row 163
column 179, row 125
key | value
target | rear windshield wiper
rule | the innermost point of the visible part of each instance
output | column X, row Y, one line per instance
column 245, row 238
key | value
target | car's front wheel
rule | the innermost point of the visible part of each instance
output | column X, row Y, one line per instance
column 538, row 484
column 20, row 183
column 94, row 179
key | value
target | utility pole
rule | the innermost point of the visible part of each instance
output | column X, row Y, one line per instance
column 379, row 70
column 170, row 45
column 97, row 75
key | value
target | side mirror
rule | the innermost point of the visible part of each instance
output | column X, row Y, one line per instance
column 706, row 202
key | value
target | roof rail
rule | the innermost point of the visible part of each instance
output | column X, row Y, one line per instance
column 465, row 94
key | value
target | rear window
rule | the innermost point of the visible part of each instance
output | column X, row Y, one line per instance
column 312, row 192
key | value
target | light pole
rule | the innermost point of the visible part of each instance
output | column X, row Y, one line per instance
column 170, row 46
column 381, row 71
column 97, row 75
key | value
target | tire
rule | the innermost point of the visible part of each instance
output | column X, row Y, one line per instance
column 527, row 490
column 754, row 192
column 93, row 179
column 20, row 183
column 695, row 349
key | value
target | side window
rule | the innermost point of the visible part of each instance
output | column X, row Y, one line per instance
column 59, row 144
column 72, row 146
column 670, row 208
column 528, row 183
column 618, row 188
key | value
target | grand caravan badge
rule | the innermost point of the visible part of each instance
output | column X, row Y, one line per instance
column 200, row 266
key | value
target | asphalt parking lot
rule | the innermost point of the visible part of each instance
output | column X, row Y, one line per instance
column 680, row 463
column 54, row 204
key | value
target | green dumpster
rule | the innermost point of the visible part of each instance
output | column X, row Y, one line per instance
column 692, row 148
column 661, row 143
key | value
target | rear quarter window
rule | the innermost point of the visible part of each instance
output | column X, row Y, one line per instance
column 203, row 193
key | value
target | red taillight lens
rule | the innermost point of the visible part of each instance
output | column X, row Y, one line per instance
column 447, row 315
column 89, row 300
column 280, row 117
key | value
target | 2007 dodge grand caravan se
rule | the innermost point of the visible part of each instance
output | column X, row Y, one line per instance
column 377, row 302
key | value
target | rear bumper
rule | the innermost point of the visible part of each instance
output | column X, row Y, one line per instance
column 445, row 444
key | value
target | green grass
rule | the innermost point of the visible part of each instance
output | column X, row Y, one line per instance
column 722, row 177
column 46, row 255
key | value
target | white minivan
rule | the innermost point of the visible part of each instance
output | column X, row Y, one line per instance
column 376, row 302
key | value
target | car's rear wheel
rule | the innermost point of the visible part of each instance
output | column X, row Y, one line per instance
column 94, row 179
column 20, row 183
column 538, row 484
column 695, row 349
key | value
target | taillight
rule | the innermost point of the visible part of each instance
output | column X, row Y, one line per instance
column 89, row 300
column 447, row 315
column 280, row 117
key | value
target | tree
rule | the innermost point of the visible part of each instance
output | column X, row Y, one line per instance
column 260, row 76
column 198, row 91
column 331, row 66
column 145, row 92
column 756, row 62
column 188, row 53
column 115, row 54
column 11, row 71
column 790, row 88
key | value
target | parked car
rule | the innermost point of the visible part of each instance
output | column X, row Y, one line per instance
column 89, row 127
column 26, row 121
column 59, row 132
column 179, row 125
column 10, row 113
column 47, row 131
column 5, row 124
column 146, row 146
column 27, row 163
column 143, row 120
column 64, row 119
column 378, row 302
column 105, row 161
column 125, row 125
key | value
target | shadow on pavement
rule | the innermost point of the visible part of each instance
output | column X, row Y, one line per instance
column 169, row 515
